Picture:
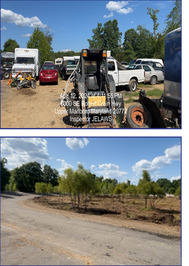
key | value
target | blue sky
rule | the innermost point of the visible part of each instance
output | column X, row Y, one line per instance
column 71, row 22
column 123, row 158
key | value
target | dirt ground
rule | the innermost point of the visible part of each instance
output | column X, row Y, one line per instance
column 123, row 212
column 40, row 107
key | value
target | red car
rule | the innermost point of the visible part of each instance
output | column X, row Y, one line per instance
column 48, row 74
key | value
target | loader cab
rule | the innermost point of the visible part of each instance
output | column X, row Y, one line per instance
column 94, row 68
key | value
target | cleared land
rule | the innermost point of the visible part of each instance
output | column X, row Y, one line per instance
column 40, row 107
column 38, row 235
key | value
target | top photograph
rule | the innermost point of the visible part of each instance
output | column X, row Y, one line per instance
column 91, row 64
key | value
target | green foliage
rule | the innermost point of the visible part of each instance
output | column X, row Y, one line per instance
column 120, row 188
column 131, row 190
column 27, row 175
column 5, row 174
column 10, row 45
column 178, row 192
column 146, row 188
column 11, row 186
column 41, row 188
column 50, row 175
column 173, row 20
column 40, row 40
column 152, row 12
column 106, row 37
column 164, row 183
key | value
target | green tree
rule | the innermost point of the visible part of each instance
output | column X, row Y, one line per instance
column 11, row 186
column 178, row 192
column 41, row 188
column 144, row 46
column 164, row 183
column 146, row 188
column 50, row 175
column 173, row 20
column 152, row 12
column 40, row 40
column 97, row 40
column 27, row 175
column 112, row 36
column 130, row 44
column 10, row 45
column 131, row 190
column 5, row 174
column 106, row 37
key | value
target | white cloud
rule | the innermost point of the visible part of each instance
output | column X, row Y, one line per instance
column 118, row 6
column 76, row 143
column 18, row 151
column 109, row 16
column 158, row 162
column 19, row 20
column 3, row 28
column 64, row 165
column 66, row 50
column 93, row 167
column 109, row 170
column 125, row 10
column 175, row 178
column 27, row 35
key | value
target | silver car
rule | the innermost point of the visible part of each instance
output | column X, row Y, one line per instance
column 151, row 75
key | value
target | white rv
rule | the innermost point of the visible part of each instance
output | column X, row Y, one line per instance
column 27, row 61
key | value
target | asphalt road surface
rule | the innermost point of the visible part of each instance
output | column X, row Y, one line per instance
column 34, row 237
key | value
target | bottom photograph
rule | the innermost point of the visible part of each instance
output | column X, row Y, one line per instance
column 91, row 200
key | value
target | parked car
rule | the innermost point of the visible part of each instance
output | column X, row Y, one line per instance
column 68, row 66
column 155, row 63
column 125, row 64
column 48, row 74
column 151, row 75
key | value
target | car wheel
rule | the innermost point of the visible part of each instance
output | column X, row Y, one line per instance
column 133, row 85
column 153, row 80
column 138, row 116
column 6, row 75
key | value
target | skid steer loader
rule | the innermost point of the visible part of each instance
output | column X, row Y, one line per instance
column 94, row 100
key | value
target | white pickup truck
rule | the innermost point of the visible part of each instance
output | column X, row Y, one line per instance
column 123, row 76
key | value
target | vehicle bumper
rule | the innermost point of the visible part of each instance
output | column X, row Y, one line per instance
column 48, row 79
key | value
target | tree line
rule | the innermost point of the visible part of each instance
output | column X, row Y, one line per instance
column 81, row 184
column 137, row 43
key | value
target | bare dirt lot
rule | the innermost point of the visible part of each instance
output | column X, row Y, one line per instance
column 40, row 107
column 165, row 219
column 33, row 234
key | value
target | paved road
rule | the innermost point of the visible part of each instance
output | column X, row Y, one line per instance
column 33, row 237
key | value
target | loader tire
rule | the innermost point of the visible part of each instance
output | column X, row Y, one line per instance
column 133, row 85
column 138, row 116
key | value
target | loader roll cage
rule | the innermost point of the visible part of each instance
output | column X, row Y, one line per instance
column 93, row 63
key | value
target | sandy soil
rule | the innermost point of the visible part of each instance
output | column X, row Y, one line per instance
column 40, row 107
column 165, row 220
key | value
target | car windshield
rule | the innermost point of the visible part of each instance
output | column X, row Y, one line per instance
column 25, row 60
column 48, row 67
